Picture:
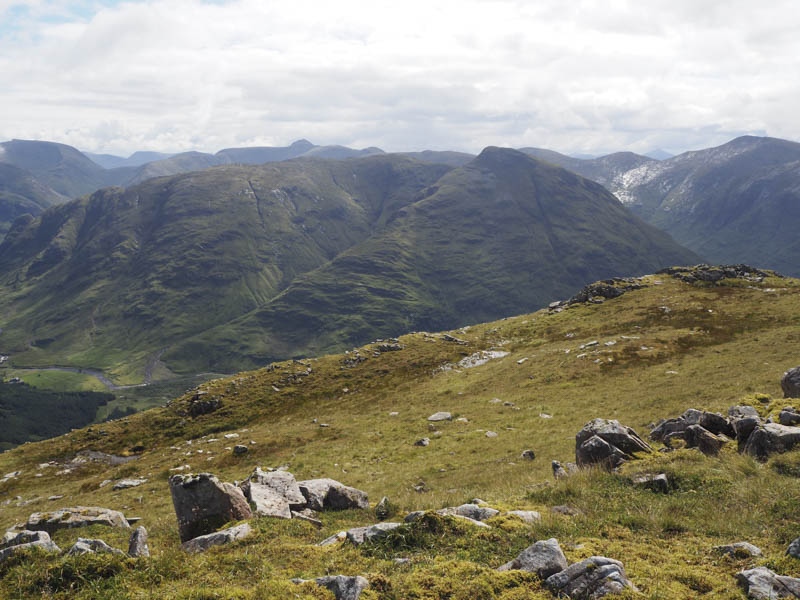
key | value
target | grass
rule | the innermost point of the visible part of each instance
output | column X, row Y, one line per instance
column 693, row 358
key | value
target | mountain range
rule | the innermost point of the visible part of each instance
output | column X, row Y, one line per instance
column 237, row 265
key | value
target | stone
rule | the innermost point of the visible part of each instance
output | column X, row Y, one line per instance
column 413, row 516
column 91, row 546
column 124, row 484
column 329, row 494
column 217, row 538
column 594, row 577
column 563, row 509
column 607, row 442
column 423, row 442
column 78, row 516
column 342, row 586
column 281, row 482
column 199, row 405
column 762, row 584
column 307, row 515
column 359, row 535
column 771, row 438
column 383, row 509
column 440, row 416
column 528, row 454
column 741, row 411
column 559, row 472
column 794, row 548
column 739, row 550
column 472, row 511
column 789, row 416
column 544, row 558
column 334, row 539
column 239, row 449
column 657, row 483
column 743, row 428
column 14, row 542
column 702, row 439
column 203, row 504
column 790, row 383
column 529, row 516
column 491, row 434
column 268, row 503
column 137, row 545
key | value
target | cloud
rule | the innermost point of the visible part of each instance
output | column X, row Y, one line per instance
column 579, row 77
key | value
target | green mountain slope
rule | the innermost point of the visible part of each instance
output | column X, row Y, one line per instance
column 21, row 193
column 503, row 235
column 675, row 346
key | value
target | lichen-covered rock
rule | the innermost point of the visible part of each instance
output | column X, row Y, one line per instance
column 607, row 442
column 559, row 472
column 218, row 538
column 472, row 511
column 743, row 428
column 78, row 516
column 739, row 550
column 592, row 578
column 137, row 544
column 383, row 509
column 789, row 416
column 440, row 416
column 342, row 586
column 529, row 516
column 657, row 483
column 203, row 504
column 794, row 548
column 762, row 584
column 14, row 542
column 322, row 494
column 771, row 438
column 702, row 439
column 359, row 535
column 92, row 546
column 790, row 383
column 544, row 558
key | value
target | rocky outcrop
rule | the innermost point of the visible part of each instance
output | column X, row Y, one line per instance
column 608, row 443
column 342, row 586
column 203, row 504
column 273, row 493
column 14, row 542
column 770, row 438
column 78, row 516
column 762, row 584
column 592, row 578
column 544, row 558
column 702, row 439
column 790, row 383
column 329, row 494
column 712, row 274
column 225, row 536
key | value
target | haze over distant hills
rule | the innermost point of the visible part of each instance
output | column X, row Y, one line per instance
column 236, row 265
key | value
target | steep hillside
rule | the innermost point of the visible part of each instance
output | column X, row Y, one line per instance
column 503, row 235
column 738, row 202
column 651, row 353
column 21, row 193
column 111, row 280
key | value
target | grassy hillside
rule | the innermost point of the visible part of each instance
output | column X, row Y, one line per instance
column 676, row 346
column 21, row 193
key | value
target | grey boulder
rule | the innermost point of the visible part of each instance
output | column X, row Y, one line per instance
column 762, row 584
column 203, row 504
column 771, row 438
column 322, row 494
column 699, row 437
column 440, row 416
column 790, row 383
column 218, row 538
column 137, row 544
column 14, row 542
column 359, row 535
column 78, row 516
column 471, row 511
column 789, row 416
column 739, row 550
column 91, row 546
column 342, row 586
column 592, row 578
column 544, row 558
column 608, row 443
column 529, row 516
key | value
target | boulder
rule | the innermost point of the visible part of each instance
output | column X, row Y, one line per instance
column 790, row 383
column 334, row 539
column 423, row 442
column 657, row 483
column 743, row 428
column 739, row 550
column 281, row 482
column 771, row 438
column 794, row 548
column 307, row 515
column 359, row 535
column 322, row 494
column 607, row 442
column 413, row 516
column 124, row 484
column 591, row 578
column 383, row 509
column 762, row 584
column 559, row 472
column 713, row 422
column 668, row 428
column 699, row 437
column 342, row 586
column 440, row 416
column 789, row 416
column 78, row 516
column 529, row 516
column 90, row 546
column 218, row 538
column 203, row 504
column 137, row 545
column 14, row 542
column 471, row 511
column 544, row 558
column 741, row 411
column 528, row 455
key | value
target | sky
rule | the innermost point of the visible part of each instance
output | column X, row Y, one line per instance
column 577, row 77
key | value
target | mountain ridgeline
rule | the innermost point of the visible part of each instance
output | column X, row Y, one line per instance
column 234, row 266
column 739, row 202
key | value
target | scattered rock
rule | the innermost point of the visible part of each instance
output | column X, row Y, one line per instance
column 342, row 586
column 440, row 416
column 789, row 416
column 762, row 584
column 79, row 516
column 239, row 449
column 91, row 546
column 592, row 578
column 124, row 484
column 273, row 493
column 794, row 548
column 200, row 405
column 307, row 515
column 770, row 438
column 383, row 509
column 322, row 494
column 334, row 539
column 137, row 545
column 563, row 509
column 226, row 536
column 423, row 442
column 790, row 383
column 739, row 550
column 528, row 454
column 471, row 511
column 529, row 516
column 543, row 558
column 491, row 434
column 14, row 542
column 202, row 504
column 359, row 535
column 559, row 472
column 702, row 439
column 607, row 442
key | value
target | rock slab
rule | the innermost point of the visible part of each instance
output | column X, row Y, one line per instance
column 203, row 504
column 218, row 538
column 544, row 558
column 594, row 577
column 322, row 494
column 78, row 516
column 608, row 443
column 762, row 584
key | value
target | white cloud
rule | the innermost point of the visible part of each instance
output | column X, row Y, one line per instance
column 580, row 76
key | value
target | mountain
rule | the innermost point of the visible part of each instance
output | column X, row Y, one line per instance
column 659, row 154
column 21, row 193
column 648, row 355
column 137, row 159
column 445, row 157
column 237, row 265
column 733, row 203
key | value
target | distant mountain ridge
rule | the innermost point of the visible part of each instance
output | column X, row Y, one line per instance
column 236, row 265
